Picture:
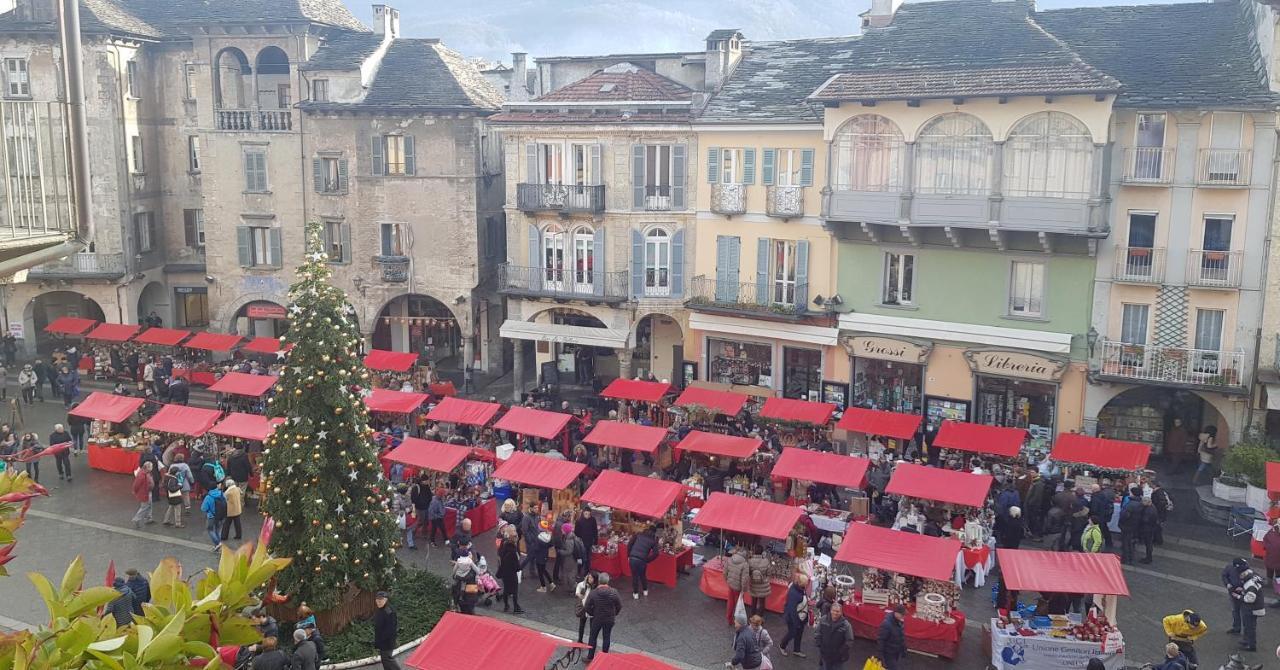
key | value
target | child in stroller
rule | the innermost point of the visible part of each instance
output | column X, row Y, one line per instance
column 490, row 587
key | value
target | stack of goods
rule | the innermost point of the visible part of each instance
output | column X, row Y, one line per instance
column 475, row 473
column 671, row 539
column 610, row 546
column 1095, row 628
column 846, row 587
column 945, row 588
column 931, row 607
column 900, row 590
column 781, row 567
column 875, row 587
column 742, row 485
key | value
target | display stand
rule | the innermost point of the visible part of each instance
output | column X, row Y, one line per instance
column 929, row 637
column 484, row 518
column 713, row 584
column 112, row 459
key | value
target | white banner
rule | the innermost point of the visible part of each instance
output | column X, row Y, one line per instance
column 1014, row 652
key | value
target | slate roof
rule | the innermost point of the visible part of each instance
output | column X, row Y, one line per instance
column 417, row 74
column 773, row 79
column 344, row 51
column 963, row 82
column 160, row 19
column 591, row 116
column 623, row 81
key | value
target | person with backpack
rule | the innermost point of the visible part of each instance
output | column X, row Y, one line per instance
column 1130, row 524
column 737, row 576
column 570, row 552
column 835, row 639
column 795, row 613
column 641, row 551
column 758, row 580
column 172, row 485
column 215, row 510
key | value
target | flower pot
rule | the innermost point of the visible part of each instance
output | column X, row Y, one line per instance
column 1229, row 492
column 1257, row 498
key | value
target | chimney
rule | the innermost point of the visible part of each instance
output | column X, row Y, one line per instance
column 724, row 50
column 518, row 87
column 386, row 22
column 881, row 13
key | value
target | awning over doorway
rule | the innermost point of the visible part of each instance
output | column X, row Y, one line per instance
column 777, row 330
column 611, row 338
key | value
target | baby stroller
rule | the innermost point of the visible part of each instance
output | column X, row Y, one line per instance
column 490, row 587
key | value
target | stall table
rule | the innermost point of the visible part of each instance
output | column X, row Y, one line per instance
column 112, row 459
column 713, row 584
column 611, row 563
column 1041, row 652
column 939, row 639
column 663, row 570
column 484, row 518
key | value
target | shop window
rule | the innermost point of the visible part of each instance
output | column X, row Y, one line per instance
column 1026, row 289
column 1016, row 403
column 657, row 263
column 868, row 152
column 746, row 363
column 802, row 374
column 887, row 385
column 899, row 279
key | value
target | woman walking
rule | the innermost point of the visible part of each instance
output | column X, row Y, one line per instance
column 795, row 613
column 584, row 589
column 509, row 569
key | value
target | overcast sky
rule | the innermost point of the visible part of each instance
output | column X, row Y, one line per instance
column 579, row 27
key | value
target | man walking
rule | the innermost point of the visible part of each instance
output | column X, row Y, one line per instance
column 1130, row 523
column 1234, row 584
column 602, row 607
column 62, row 458
column 140, row 586
column 835, row 639
column 1252, row 606
column 385, row 627
column 235, row 506
column 142, row 484
column 1148, row 527
column 435, row 514
column 214, row 507
column 891, row 641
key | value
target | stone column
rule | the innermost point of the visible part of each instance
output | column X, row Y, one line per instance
column 624, row 362
column 517, row 370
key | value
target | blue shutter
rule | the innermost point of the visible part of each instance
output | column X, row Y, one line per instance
column 378, row 159
column 598, row 269
column 637, row 264
column 802, row 274
column 677, row 263
column 727, row 259
column 678, row 170
column 317, row 173
column 597, row 177
column 713, row 165
column 806, row 167
column 244, row 245
column 748, row 166
column 410, row 164
column 762, row 271
column 637, row 176
column 535, row 252
column 770, row 156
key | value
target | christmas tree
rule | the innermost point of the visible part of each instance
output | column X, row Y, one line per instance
column 320, row 471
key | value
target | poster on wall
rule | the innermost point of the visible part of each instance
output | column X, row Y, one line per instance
column 836, row 393
column 17, row 329
column 938, row 409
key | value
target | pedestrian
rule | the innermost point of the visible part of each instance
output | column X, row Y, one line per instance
column 891, row 641
column 1252, row 606
column 1148, row 527
column 238, row 466
column 1163, row 504
column 1102, row 505
column 641, row 551
column 305, row 656
column 539, row 553
column 1130, row 524
column 69, row 384
column 420, row 496
column 1271, row 557
column 265, row 623
column 235, row 506
column 402, row 508
column 588, row 531
column 435, row 516
column 1234, row 584
column 1207, row 451
column 465, row 590
column 746, row 654
column 269, row 656
column 185, row 477
column 121, row 609
column 1183, row 629
column 142, row 493
column 215, row 510
column 795, row 613
column 385, row 626
column 78, row 426
column 1091, row 539
column 764, row 641
column 758, row 566
column 140, row 586
column 1174, row 659
column 511, row 512
column 43, row 374
column 835, row 639
column 173, row 496
column 28, row 382
column 581, row 592
column 602, row 607
column 737, row 576
column 461, row 539
column 570, row 552
column 509, row 569
column 62, row 458
column 1009, row 529
column 32, row 448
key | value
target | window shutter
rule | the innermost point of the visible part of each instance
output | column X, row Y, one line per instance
column 244, row 244
column 748, row 166
column 806, row 167
column 189, row 228
column 637, row 263
column 410, row 165
column 598, row 267
column 596, row 177
column 317, row 172
column 346, row 244
column 378, row 158
column 677, row 264
column 770, row 156
column 535, row 241
column 274, row 250
column 802, row 274
column 713, row 165
column 762, row 270
column 250, row 173
column 342, row 175
column 678, row 169
column 727, row 268
column 531, row 163
column 637, row 176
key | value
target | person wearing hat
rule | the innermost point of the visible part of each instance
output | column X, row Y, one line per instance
column 891, row 642
column 385, row 627
column 1183, row 629
column 1232, row 582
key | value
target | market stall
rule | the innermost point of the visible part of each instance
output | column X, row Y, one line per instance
column 553, row 474
column 1021, row 641
column 1102, row 453
column 802, row 465
column 243, row 426
column 183, row 420
column 460, row 412
column 536, row 423
column 471, row 499
column 717, row 445
column 798, row 419
column 949, row 495
column 903, row 569
column 112, row 332
column 873, row 424
column 619, row 437
column 976, row 438
column 751, row 517
column 630, row 392
column 390, row 361
column 263, row 345
column 69, row 325
column 200, row 373
column 625, row 495
column 162, row 337
column 705, row 406
column 394, row 402
column 239, row 383
column 109, row 451
column 452, row 645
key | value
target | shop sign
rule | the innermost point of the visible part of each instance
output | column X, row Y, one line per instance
column 886, row 349
column 1015, row 364
column 17, row 330
column 265, row 310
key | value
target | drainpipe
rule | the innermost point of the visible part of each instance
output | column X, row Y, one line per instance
column 73, row 68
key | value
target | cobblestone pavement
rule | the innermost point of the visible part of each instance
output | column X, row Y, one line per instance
column 91, row 517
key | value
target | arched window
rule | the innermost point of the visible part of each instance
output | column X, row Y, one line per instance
column 553, row 243
column 657, row 262
column 232, row 75
column 954, row 156
column 868, row 152
column 583, row 258
column 273, row 79
column 1048, row 155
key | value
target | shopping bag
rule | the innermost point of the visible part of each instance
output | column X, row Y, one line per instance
column 873, row 663
column 401, row 521
column 765, row 663
column 740, row 610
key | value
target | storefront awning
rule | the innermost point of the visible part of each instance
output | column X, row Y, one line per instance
column 1100, row 452
column 394, row 402
column 428, row 454
column 533, row 422
column 645, row 496
column 263, row 345
column 1273, row 477
column 980, row 439
column 610, row 338
column 627, row 662
column 719, row 445
column 899, row 551
column 721, row 402
column 635, row 389
column 69, row 325
column 948, row 486
column 949, row 331
column 112, row 332
column 240, row 383
column 879, row 422
column 394, row 361
column 774, row 330
column 797, row 411
column 466, row 412
column 622, row 435
column 745, row 389
column 824, row 467
column 107, row 407
column 213, row 341
column 534, row 470
column 740, row 514
column 246, row 426
column 165, row 337
column 453, row 645
column 1062, row 572
column 183, row 420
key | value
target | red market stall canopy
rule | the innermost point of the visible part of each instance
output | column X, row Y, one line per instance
column 949, row 486
column 631, row 436
column 1100, row 452
column 467, row 412
column 183, row 420
column 246, row 426
column 723, row 402
column 980, row 439
column 263, row 345
column 69, row 325
column 878, row 422
column 240, row 383
column 534, row 470
column 823, row 467
column 719, row 445
column 1061, row 572
column 462, row 642
column 634, row 389
column 1273, row 477
column 740, row 514
column 112, row 332
column 107, row 407
column 213, row 341
column 428, row 455
column 627, row 662
column 394, row 361
column 167, row 337
column 899, row 551
column 395, row 402
column 645, row 496
column 798, row 411
column 533, row 422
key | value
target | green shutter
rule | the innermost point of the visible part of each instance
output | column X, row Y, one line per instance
column 637, row 176
column 531, row 163
column 677, row 264
column 762, row 271
column 342, row 175
column 410, row 164
column 274, row 251
column 802, row 274
column 637, row 264
column 244, row 244
column 678, row 170
column 346, row 244
column 317, row 172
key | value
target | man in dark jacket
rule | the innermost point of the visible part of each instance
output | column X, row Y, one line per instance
column 1008, row 529
column 746, row 653
column 1163, row 504
column 1035, row 504
column 140, row 587
column 835, row 639
column 385, row 626
column 1148, row 526
column 602, row 607
column 588, row 531
column 304, row 652
column 1130, row 523
column 1234, row 584
column 1101, row 505
column 891, row 643
column 122, row 607
column 238, row 467
column 642, row 550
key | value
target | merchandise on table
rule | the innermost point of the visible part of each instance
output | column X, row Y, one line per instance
column 1022, row 640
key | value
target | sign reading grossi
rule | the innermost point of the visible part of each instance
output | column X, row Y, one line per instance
column 885, row 349
column 1015, row 364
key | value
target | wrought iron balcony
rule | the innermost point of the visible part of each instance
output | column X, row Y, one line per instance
column 778, row 298
column 1139, row 265
column 395, row 269
column 266, row 120
column 1148, row 363
column 566, row 198
column 1214, row 269
column 729, row 199
column 1223, row 167
column 785, row 202
column 82, row 266
column 1148, row 165
column 657, row 198
column 587, row 285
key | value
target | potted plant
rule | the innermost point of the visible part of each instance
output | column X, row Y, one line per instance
column 1246, row 463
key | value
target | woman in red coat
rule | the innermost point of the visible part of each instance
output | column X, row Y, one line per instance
column 1271, row 545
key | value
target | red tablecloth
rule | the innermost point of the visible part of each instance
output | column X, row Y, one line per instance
column 975, row 557
column 664, row 569
column 713, row 584
column 484, row 518
column 614, row 563
column 86, row 363
column 693, row 502
column 940, row 639
column 112, row 459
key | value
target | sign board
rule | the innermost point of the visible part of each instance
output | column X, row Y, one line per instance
column 1015, row 364
column 17, row 329
column 886, row 348
column 264, row 310
column 1014, row 652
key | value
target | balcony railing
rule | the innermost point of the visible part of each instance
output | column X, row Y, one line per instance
column 1139, row 265
column 729, row 199
column 1223, row 167
column 568, row 198
column 81, row 265
column 395, row 269
column 266, row 120
column 777, row 298
column 786, row 202
column 552, row 283
column 1214, row 269
column 1172, row 365
column 1148, row 165
column 657, row 198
